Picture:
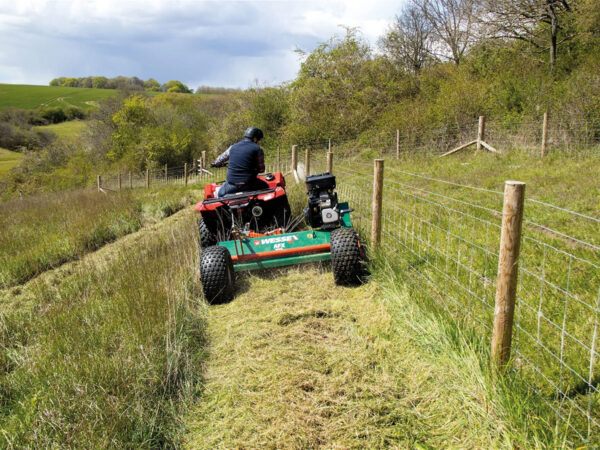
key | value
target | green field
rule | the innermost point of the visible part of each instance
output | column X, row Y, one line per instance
column 8, row 160
column 26, row 96
column 69, row 129
column 31, row 97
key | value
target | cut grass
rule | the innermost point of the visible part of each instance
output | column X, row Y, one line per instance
column 8, row 160
column 107, row 355
column 42, row 232
column 70, row 129
column 296, row 362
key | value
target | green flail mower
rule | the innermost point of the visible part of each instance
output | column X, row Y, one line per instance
column 252, row 235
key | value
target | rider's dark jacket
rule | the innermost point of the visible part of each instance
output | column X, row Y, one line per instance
column 246, row 161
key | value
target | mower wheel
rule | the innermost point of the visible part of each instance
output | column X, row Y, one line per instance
column 207, row 237
column 216, row 272
column 346, row 257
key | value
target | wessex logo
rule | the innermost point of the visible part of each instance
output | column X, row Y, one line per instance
column 276, row 240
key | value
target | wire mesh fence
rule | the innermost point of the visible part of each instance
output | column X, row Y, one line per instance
column 444, row 239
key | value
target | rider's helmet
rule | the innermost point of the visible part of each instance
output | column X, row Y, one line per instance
column 254, row 132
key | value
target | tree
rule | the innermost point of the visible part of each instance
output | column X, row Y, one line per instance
column 537, row 22
column 99, row 82
column 453, row 23
column 151, row 85
column 176, row 86
column 409, row 40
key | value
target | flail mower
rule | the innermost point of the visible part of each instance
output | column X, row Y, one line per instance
column 255, row 230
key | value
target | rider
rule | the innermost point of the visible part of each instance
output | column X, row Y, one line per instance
column 246, row 161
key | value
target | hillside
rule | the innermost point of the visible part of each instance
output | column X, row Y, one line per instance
column 8, row 160
column 30, row 96
column 69, row 129
column 26, row 96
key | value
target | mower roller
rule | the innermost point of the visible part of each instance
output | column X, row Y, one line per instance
column 254, row 230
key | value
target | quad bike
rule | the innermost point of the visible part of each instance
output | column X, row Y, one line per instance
column 247, row 231
column 262, row 211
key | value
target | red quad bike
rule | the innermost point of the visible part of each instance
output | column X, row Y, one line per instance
column 264, row 211
column 254, row 230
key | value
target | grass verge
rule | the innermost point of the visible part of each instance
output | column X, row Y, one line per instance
column 42, row 232
column 108, row 356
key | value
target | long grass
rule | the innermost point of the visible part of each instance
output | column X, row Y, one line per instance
column 45, row 231
column 107, row 357
column 445, row 239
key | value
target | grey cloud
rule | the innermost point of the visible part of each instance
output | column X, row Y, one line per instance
column 218, row 43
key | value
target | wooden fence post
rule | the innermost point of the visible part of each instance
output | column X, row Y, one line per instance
column 294, row 158
column 397, row 144
column 508, row 271
column 307, row 161
column 204, row 159
column 330, row 162
column 480, row 132
column 130, row 181
column 119, row 181
column 185, row 174
column 147, row 178
column 278, row 159
column 329, row 147
column 544, row 134
column 99, row 182
column 166, row 173
column 377, row 203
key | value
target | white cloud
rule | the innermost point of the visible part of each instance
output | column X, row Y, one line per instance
column 226, row 43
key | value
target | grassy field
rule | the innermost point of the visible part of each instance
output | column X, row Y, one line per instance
column 31, row 96
column 8, row 160
column 26, row 96
column 42, row 232
column 70, row 129
column 119, row 349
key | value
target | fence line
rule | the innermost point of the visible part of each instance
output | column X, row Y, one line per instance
column 446, row 249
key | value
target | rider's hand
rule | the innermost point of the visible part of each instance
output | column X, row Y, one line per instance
column 213, row 164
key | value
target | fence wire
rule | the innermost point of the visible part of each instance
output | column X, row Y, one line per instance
column 444, row 238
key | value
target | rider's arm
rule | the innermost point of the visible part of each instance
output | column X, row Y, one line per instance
column 261, row 160
column 222, row 159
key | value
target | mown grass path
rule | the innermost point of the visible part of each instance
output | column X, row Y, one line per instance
column 297, row 362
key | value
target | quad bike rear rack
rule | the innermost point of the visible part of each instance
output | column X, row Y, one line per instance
column 238, row 196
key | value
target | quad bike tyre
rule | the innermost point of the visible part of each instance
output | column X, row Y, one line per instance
column 217, row 274
column 207, row 237
column 346, row 257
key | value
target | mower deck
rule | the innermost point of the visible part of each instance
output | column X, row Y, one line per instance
column 282, row 249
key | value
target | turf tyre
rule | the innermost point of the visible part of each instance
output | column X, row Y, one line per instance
column 346, row 258
column 217, row 274
column 207, row 237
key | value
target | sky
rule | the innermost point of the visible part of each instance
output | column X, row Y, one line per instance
column 202, row 43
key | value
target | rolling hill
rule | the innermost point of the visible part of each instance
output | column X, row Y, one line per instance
column 30, row 96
